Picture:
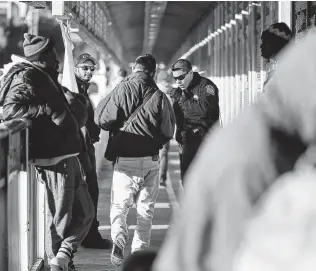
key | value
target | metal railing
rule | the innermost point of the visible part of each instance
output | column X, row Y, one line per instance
column 22, row 201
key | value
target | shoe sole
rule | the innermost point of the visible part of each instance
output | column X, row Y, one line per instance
column 116, row 261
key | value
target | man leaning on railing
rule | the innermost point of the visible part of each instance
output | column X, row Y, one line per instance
column 29, row 89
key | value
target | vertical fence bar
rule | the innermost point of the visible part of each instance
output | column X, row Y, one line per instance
column 238, row 58
column 262, row 61
column 225, row 62
column 3, row 201
column 253, row 55
column 232, row 59
column 244, row 52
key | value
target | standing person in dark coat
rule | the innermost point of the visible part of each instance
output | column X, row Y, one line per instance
column 30, row 89
column 141, row 119
column 196, row 108
column 85, row 67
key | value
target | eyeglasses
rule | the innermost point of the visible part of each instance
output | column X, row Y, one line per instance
column 85, row 68
column 181, row 77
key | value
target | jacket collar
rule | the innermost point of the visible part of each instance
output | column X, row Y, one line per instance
column 140, row 76
column 195, row 81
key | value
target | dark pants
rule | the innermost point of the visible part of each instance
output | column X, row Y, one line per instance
column 88, row 163
column 69, row 209
column 189, row 150
column 163, row 166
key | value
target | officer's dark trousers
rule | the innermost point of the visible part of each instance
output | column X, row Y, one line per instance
column 189, row 150
column 88, row 163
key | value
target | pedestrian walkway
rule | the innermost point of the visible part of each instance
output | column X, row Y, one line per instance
column 99, row 260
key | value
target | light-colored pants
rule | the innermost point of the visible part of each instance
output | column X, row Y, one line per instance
column 135, row 180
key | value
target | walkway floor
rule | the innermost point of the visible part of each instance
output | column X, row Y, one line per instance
column 99, row 260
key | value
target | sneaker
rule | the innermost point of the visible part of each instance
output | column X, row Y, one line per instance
column 58, row 264
column 96, row 241
column 117, row 256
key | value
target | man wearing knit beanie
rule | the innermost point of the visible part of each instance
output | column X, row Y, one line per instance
column 273, row 40
column 38, row 48
column 30, row 90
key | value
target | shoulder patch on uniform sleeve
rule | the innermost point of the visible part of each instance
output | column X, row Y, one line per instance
column 210, row 90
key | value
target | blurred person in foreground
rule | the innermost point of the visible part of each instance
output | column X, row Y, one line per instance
column 164, row 84
column 196, row 107
column 30, row 89
column 240, row 162
column 273, row 40
column 140, row 118
column 281, row 233
column 84, row 69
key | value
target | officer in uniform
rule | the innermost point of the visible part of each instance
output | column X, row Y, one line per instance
column 195, row 103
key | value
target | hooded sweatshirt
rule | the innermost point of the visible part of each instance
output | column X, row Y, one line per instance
column 238, row 163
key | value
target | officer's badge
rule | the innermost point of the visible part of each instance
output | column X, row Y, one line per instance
column 210, row 90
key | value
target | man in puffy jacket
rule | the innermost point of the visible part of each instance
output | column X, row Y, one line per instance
column 30, row 90
column 135, row 150
column 84, row 69
column 196, row 108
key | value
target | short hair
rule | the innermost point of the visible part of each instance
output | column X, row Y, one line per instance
column 181, row 64
column 279, row 34
column 146, row 62
column 122, row 73
column 140, row 260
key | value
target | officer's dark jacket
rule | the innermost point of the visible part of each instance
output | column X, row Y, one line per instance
column 56, row 113
column 92, row 129
column 197, row 106
column 154, row 124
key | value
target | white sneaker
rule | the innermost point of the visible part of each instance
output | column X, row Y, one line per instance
column 59, row 264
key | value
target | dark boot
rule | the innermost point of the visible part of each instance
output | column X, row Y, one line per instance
column 95, row 240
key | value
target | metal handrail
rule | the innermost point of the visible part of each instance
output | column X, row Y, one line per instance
column 21, row 201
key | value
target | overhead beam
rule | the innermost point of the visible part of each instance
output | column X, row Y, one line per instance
column 154, row 11
column 104, row 7
column 93, row 22
column 94, row 28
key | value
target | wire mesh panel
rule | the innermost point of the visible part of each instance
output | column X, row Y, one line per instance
column 300, row 21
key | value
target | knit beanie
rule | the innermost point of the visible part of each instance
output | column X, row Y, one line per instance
column 37, row 47
column 280, row 30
